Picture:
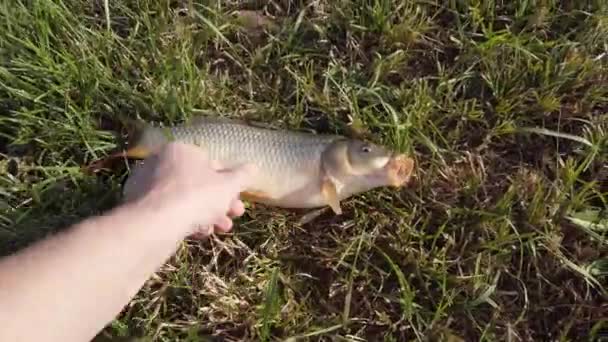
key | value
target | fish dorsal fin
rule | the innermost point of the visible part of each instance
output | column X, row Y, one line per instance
column 205, row 120
column 202, row 120
column 216, row 120
column 260, row 124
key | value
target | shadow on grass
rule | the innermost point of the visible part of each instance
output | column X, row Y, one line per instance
column 61, row 205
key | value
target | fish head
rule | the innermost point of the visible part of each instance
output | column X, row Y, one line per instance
column 361, row 166
column 365, row 157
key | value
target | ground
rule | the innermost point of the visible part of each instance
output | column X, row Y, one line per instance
column 502, row 104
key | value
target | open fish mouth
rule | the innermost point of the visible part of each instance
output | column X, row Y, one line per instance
column 398, row 170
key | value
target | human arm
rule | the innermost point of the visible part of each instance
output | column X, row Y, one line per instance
column 68, row 287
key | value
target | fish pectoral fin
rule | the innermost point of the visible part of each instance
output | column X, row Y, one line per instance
column 311, row 215
column 330, row 194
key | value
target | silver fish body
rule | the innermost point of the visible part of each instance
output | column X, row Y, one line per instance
column 289, row 164
column 295, row 169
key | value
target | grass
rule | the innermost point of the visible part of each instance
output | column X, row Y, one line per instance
column 502, row 104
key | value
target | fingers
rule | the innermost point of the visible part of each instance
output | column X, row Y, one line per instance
column 201, row 231
column 237, row 208
column 223, row 224
column 241, row 176
column 179, row 161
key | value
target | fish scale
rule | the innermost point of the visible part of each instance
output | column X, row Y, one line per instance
column 241, row 143
column 287, row 163
column 294, row 169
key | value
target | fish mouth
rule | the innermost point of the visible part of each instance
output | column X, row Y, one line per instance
column 380, row 163
column 398, row 170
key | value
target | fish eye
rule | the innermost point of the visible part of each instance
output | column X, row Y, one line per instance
column 366, row 149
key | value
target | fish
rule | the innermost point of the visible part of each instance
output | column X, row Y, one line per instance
column 296, row 169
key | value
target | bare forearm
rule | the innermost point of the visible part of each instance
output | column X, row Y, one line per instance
column 69, row 286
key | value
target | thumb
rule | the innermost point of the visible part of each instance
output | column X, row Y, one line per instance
column 242, row 176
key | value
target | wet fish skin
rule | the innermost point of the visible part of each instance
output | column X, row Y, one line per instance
column 296, row 169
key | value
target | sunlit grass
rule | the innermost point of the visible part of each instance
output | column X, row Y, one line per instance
column 500, row 236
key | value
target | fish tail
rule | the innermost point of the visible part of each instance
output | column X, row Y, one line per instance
column 142, row 140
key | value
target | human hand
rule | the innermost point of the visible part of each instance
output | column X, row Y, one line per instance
column 181, row 179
